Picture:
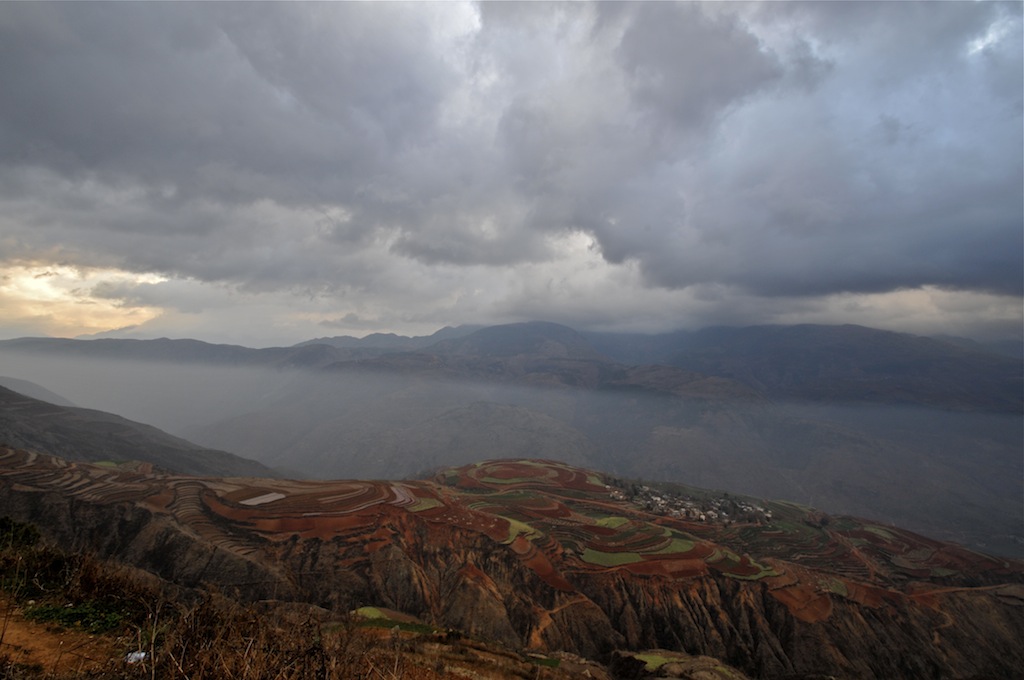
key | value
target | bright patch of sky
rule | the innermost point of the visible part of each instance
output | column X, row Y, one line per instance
column 62, row 301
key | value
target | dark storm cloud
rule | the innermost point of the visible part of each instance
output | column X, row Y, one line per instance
column 807, row 202
column 257, row 99
column 686, row 67
column 779, row 149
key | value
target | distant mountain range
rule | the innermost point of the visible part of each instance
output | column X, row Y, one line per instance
column 541, row 556
column 841, row 364
column 391, row 341
column 848, row 364
column 178, row 351
column 922, row 432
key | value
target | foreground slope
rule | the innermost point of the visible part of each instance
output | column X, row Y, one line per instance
column 30, row 389
column 541, row 555
column 88, row 435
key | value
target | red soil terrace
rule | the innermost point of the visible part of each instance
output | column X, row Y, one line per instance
column 557, row 519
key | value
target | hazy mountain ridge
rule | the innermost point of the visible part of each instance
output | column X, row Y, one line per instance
column 813, row 362
column 541, row 360
column 837, row 363
column 80, row 434
column 534, row 339
column 180, row 351
column 540, row 555
column 392, row 341
column 858, row 364
column 30, row 389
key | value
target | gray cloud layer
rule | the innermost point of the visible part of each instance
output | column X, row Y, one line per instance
column 416, row 151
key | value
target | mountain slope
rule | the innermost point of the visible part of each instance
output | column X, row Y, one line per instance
column 535, row 339
column 838, row 364
column 87, row 435
column 390, row 341
column 545, row 355
column 180, row 351
column 541, row 555
column 30, row 389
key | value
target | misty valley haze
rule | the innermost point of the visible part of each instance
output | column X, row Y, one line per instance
column 903, row 429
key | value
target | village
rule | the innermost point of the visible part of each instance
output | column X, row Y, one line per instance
column 723, row 510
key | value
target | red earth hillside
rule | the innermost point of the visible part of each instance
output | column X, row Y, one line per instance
column 545, row 555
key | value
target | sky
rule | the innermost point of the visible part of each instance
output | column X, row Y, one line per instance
column 265, row 173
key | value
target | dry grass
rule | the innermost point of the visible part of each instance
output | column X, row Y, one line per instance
column 61, row 602
column 217, row 638
column 182, row 635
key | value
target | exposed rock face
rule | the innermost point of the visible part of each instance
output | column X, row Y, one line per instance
column 540, row 555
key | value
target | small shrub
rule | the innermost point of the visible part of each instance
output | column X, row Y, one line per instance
column 209, row 637
column 16, row 535
column 406, row 626
column 93, row 616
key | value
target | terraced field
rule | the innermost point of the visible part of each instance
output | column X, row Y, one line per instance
column 561, row 522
